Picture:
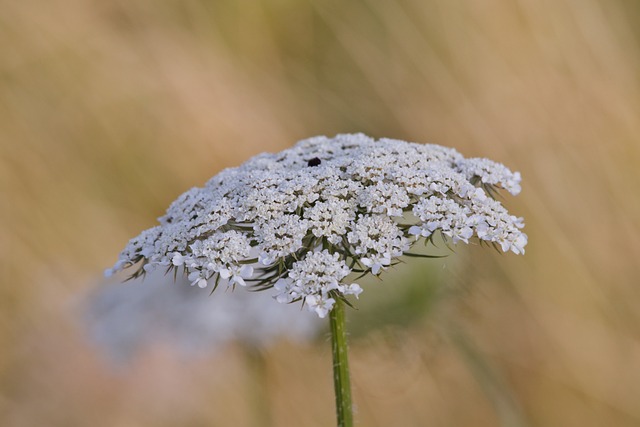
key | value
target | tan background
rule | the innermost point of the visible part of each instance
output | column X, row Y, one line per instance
column 110, row 109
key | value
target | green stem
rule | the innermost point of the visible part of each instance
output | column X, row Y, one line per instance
column 341, row 379
column 258, row 390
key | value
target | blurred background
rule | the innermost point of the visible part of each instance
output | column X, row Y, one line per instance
column 110, row 109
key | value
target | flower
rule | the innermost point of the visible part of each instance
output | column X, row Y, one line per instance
column 300, row 221
column 124, row 319
column 313, row 279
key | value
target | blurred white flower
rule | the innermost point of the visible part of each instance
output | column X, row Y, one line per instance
column 123, row 318
column 301, row 220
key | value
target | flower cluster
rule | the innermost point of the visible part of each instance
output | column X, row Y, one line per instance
column 124, row 319
column 303, row 219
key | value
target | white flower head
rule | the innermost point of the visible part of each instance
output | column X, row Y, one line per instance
column 300, row 221
column 331, row 219
column 126, row 318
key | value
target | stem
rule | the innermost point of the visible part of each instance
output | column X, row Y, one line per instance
column 341, row 379
column 258, row 389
